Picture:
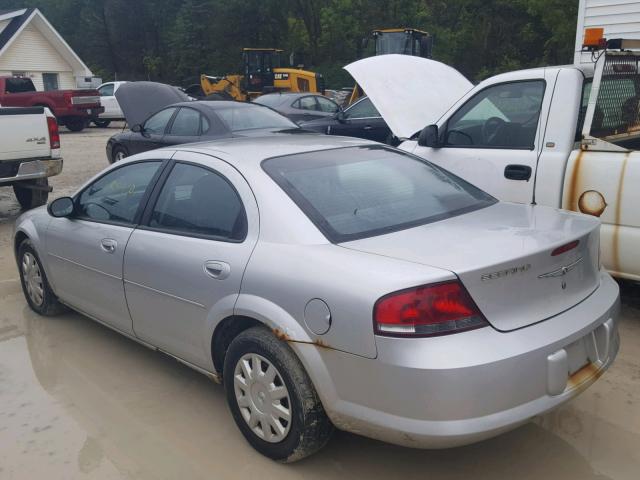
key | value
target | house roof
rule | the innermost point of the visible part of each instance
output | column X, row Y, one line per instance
column 20, row 18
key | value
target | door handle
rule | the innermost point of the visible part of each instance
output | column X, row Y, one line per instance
column 517, row 172
column 368, row 127
column 216, row 269
column 109, row 245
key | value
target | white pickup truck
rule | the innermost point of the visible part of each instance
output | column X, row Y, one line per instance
column 29, row 153
column 564, row 136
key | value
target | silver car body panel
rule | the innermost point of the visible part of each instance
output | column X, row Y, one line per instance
column 422, row 392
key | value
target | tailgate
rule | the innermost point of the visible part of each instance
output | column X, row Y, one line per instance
column 23, row 133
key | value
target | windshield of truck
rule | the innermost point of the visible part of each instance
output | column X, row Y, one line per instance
column 394, row 42
column 19, row 85
column 616, row 118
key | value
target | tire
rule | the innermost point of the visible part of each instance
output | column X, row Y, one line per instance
column 75, row 124
column 35, row 285
column 29, row 198
column 102, row 123
column 308, row 428
column 118, row 153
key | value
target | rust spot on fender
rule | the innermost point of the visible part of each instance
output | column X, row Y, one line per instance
column 572, row 201
column 280, row 335
column 618, row 215
column 592, row 202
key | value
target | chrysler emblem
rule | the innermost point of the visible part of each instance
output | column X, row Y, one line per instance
column 561, row 272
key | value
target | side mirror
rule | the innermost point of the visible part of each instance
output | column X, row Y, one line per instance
column 61, row 207
column 340, row 116
column 137, row 128
column 429, row 137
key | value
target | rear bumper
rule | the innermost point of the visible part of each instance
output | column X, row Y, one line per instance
column 453, row 390
column 34, row 169
column 79, row 111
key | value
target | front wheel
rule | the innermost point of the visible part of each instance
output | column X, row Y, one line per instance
column 35, row 285
column 29, row 198
column 118, row 153
column 272, row 399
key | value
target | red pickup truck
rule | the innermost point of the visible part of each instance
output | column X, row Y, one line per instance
column 72, row 108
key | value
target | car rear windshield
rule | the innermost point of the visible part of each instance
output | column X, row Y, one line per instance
column 252, row 117
column 358, row 192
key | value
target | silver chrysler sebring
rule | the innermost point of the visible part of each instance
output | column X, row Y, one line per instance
column 333, row 282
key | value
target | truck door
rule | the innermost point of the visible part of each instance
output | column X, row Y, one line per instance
column 493, row 139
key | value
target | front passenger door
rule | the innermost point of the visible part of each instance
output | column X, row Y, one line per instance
column 184, row 265
column 154, row 130
column 86, row 251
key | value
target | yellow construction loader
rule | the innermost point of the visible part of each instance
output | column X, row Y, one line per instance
column 404, row 41
column 262, row 74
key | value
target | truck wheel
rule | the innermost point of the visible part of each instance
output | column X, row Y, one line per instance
column 102, row 123
column 29, row 198
column 75, row 124
column 272, row 399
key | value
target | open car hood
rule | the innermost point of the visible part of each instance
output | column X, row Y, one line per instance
column 138, row 100
column 409, row 92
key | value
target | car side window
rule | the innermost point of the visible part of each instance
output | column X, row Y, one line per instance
column 501, row 116
column 327, row 105
column 116, row 196
column 186, row 123
column 198, row 201
column 307, row 103
column 106, row 90
column 363, row 109
column 157, row 123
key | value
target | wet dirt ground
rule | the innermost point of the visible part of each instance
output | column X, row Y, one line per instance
column 79, row 401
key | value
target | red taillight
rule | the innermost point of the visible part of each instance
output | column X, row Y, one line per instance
column 438, row 309
column 54, row 133
column 565, row 248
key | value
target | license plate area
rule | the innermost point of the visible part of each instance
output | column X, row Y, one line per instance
column 578, row 354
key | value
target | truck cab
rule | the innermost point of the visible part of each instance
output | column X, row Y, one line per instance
column 563, row 136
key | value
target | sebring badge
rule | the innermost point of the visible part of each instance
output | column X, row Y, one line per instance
column 506, row 272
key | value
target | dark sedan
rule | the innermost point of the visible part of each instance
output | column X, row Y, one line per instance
column 360, row 120
column 300, row 107
column 188, row 122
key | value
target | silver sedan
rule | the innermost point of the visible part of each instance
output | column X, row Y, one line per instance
column 333, row 282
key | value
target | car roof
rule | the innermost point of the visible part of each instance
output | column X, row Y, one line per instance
column 246, row 153
column 216, row 104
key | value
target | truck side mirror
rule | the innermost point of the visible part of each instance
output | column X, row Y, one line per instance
column 429, row 137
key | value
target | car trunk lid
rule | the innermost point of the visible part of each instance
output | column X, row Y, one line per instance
column 503, row 256
column 138, row 100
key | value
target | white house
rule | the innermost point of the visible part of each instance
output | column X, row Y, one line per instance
column 31, row 47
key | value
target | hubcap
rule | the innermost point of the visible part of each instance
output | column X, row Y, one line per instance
column 32, row 278
column 120, row 155
column 263, row 397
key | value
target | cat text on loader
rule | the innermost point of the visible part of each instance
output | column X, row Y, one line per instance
column 262, row 74
column 403, row 41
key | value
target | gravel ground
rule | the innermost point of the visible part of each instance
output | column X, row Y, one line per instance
column 79, row 401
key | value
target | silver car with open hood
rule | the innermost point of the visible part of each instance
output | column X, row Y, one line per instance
column 333, row 282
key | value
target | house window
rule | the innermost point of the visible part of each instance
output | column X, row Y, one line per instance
column 50, row 81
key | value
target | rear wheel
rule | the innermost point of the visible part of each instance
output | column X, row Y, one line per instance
column 75, row 124
column 118, row 153
column 35, row 285
column 31, row 197
column 102, row 123
column 272, row 399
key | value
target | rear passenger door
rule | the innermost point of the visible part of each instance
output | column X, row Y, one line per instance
column 187, row 127
column 184, row 264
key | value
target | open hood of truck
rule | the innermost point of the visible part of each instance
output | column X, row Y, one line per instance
column 409, row 92
column 139, row 100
